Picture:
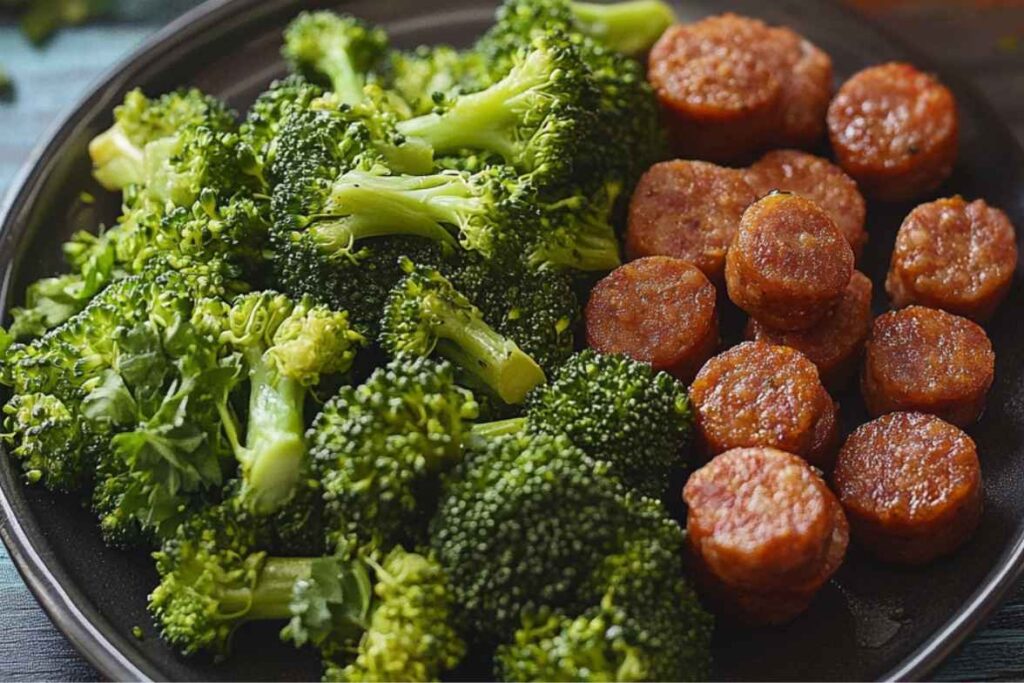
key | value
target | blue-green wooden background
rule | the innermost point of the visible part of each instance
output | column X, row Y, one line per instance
column 984, row 39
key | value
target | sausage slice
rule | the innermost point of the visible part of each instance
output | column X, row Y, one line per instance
column 894, row 129
column 658, row 310
column 731, row 85
column 911, row 486
column 819, row 180
column 789, row 264
column 926, row 360
column 954, row 255
column 758, row 394
column 689, row 210
column 765, row 531
column 835, row 344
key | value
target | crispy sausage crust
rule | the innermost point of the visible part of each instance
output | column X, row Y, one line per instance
column 819, row 180
column 690, row 210
column 894, row 129
column 927, row 360
column 731, row 85
column 835, row 344
column 758, row 394
column 659, row 310
column 764, row 531
column 911, row 486
column 954, row 255
column 789, row 264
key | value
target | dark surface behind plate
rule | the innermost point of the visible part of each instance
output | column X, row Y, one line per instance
column 869, row 621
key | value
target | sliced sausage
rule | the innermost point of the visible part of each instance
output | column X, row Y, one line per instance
column 954, row 255
column 894, row 129
column 789, row 264
column 926, row 360
column 819, row 180
column 659, row 310
column 911, row 486
column 758, row 394
column 764, row 531
column 835, row 344
column 731, row 85
column 689, row 210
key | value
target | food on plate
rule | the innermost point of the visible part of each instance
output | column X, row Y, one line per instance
column 911, row 487
column 327, row 366
column 659, row 310
column 689, row 210
column 954, row 255
column 930, row 361
column 817, row 179
column 758, row 394
column 834, row 345
column 765, row 532
column 789, row 264
column 731, row 85
column 894, row 129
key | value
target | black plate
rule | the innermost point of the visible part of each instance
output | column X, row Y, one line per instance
column 872, row 622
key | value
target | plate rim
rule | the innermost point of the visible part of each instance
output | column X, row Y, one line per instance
column 91, row 636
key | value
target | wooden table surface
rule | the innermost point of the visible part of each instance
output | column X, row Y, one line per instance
column 982, row 38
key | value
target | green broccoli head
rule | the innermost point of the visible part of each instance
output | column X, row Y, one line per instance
column 164, row 141
column 433, row 73
column 523, row 523
column 271, row 110
column 410, row 636
column 535, row 117
column 287, row 346
column 339, row 51
column 618, row 410
column 380, row 447
column 425, row 313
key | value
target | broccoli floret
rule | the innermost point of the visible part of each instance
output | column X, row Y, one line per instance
column 523, row 523
column 425, row 313
column 645, row 622
column 336, row 50
column 630, row 27
column 576, row 231
column 370, row 620
column 378, row 449
column 127, row 390
column 409, row 636
column 535, row 117
column 618, row 410
column 271, row 110
column 173, row 123
column 286, row 347
column 537, row 309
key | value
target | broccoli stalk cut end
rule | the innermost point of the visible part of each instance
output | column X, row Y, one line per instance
column 630, row 27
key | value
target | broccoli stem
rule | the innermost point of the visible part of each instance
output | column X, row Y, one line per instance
column 471, row 343
column 398, row 205
column 482, row 432
column 336, row 64
column 487, row 119
column 275, row 448
column 272, row 595
column 117, row 161
column 630, row 27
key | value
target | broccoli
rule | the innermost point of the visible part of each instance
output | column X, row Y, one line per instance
column 535, row 118
column 128, row 391
column 286, row 346
column 522, row 523
column 629, row 27
column 576, row 232
column 337, row 50
column 271, row 110
column 537, row 309
column 147, row 134
column 430, row 72
column 377, row 447
column 618, row 410
column 424, row 313
column 647, row 626
column 370, row 619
